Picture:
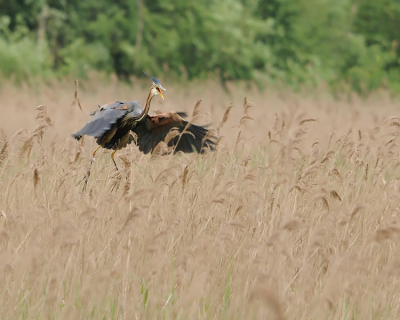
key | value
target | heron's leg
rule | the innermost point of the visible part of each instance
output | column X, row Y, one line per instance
column 91, row 160
column 112, row 157
column 86, row 177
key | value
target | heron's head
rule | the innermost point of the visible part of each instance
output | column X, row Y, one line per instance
column 156, row 87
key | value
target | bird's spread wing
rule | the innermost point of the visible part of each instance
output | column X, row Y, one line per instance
column 155, row 129
column 103, row 119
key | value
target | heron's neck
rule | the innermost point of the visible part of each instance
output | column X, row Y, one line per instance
column 146, row 108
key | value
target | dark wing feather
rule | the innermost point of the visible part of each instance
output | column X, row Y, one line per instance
column 155, row 128
column 103, row 120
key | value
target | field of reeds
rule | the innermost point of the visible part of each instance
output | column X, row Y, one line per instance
column 295, row 216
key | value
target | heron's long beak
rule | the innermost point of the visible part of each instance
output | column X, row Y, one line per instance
column 159, row 91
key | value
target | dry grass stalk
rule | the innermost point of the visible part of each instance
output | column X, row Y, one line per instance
column 76, row 96
column 37, row 135
column 174, row 132
column 27, row 148
column 197, row 113
column 3, row 151
column 225, row 117
column 307, row 120
column 36, row 177
column 184, row 177
column 41, row 116
column 160, row 149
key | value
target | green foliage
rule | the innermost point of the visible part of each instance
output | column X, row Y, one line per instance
column 79, row 58
column 23, row 59
column 295, row 42
column 378, row 64
column 219, row 36
column 20, row 55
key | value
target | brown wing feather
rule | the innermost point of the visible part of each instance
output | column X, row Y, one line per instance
column 156, row 127
column 163, row 122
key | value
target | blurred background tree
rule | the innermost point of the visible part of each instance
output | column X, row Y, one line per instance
column 344, row 43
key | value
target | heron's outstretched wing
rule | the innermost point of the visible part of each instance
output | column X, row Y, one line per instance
column 103, row 119
column 155, row 128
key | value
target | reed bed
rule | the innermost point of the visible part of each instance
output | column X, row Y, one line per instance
column 295, row 216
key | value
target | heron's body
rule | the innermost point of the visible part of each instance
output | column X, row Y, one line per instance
column 112, row 124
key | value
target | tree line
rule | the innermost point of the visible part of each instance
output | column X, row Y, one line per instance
column 344, row 43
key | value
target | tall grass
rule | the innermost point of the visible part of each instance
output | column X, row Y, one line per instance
column 295, row 216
